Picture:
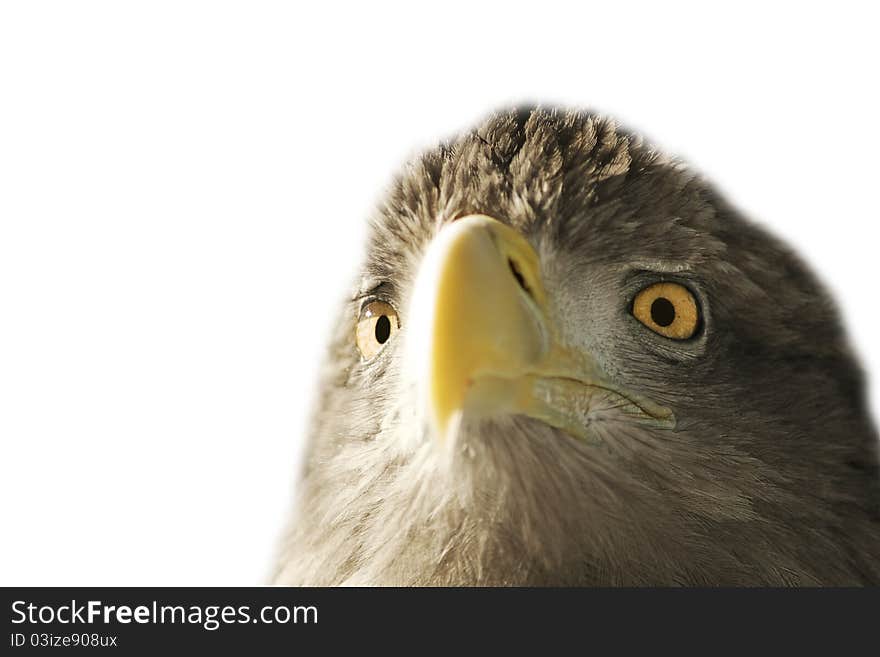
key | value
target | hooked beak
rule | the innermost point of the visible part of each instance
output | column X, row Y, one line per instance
column 483, row 341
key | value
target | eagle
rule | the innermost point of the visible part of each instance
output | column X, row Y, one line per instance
column 567, row 360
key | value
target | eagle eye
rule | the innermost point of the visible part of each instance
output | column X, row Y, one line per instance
column 377, row 325
column 668, row 309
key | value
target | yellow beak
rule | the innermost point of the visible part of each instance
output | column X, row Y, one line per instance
column 482, row 339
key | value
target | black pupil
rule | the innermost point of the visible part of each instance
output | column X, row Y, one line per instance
column 383, row 329
column 662, row 311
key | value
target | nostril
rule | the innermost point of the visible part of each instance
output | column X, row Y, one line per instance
column 517, row 274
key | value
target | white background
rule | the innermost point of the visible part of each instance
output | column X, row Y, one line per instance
column 182, row 194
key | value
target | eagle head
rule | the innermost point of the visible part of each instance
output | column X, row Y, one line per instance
column 567, row 360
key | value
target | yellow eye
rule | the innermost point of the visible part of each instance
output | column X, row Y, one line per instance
column 668, row 309
column 377, row 323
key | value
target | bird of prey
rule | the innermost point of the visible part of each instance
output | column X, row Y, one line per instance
column 569, row 361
